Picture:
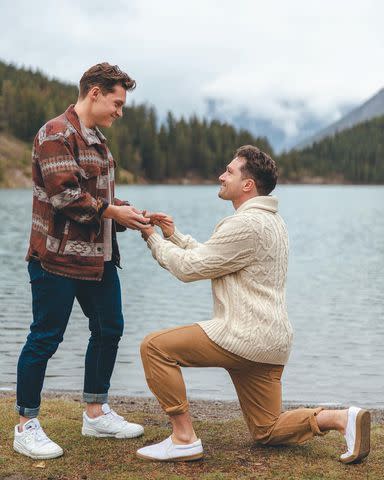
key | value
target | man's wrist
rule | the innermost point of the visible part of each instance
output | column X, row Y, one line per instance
column 146, row 233
column 110, row 212
column 153, row 239
column 101, row 205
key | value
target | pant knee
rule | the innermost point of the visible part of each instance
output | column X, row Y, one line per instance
column 110, row 333
column 41, row 349
column 105, row 340
column 147, row 344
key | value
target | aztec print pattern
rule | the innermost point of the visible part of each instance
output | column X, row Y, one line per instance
column 84, row 249
column 73, row 176
column 39, row 224
column 66, row 197
column 88, row 157
column 52, row 244
column 40, row 194
column 57, row 164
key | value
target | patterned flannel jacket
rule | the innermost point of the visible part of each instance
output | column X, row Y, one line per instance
column 70, row 181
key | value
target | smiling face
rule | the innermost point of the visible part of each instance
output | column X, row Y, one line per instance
column 106, row 108
column 234, row 186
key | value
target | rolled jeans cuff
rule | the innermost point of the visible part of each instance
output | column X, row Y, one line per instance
column 95, row 397
column 27, row 412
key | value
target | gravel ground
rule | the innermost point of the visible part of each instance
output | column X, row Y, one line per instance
column 200, row 409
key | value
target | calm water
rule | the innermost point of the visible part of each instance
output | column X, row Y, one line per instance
column 335, row 293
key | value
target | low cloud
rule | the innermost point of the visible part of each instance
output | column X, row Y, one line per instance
column 288, row 106
column 279, row 61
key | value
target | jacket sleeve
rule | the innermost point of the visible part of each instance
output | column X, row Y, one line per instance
column 62, row 178
column 230, row 249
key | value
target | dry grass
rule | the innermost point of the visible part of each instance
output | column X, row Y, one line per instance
column 229, row 452
column 15, row 162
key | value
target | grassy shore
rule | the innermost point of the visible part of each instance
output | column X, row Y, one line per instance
column 230, row 454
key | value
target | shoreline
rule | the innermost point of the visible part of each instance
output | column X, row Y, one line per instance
column 185, row 182
column 201, row 409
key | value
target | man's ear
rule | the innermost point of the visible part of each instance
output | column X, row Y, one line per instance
column 94, row 93
column 248, row 185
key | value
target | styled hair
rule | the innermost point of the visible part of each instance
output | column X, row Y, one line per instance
column 260, row 167
column 106, row 77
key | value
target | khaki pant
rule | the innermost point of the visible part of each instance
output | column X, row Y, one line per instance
column 257, row 385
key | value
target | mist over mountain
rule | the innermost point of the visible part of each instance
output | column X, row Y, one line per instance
column 294, row 122
column 372, row 108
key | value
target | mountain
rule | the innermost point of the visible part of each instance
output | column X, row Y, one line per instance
column 354, row 155
column 177, row 150
column 374, row 107
column 15, row 162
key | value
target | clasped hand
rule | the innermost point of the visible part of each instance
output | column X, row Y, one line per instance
column 127, row 216
column 162, row 220
column 135, row 219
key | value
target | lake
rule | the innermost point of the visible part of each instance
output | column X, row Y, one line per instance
column 335, row 293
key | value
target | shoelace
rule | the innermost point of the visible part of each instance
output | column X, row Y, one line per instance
column 39, row 435
column 115, row 416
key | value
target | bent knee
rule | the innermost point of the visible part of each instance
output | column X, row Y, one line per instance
column 147, row 342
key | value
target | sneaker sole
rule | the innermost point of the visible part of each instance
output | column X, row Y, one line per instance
column 188, row 458
column 19, row 449
column 363, row 437
column 91, row 433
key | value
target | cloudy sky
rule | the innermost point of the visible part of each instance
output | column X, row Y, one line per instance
column 278, row 60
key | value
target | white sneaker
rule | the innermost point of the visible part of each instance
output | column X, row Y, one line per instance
column 357, row 435
column 34, row 443
column 110, row 425
column 169, row 451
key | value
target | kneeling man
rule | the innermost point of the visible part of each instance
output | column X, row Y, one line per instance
column 250, row 334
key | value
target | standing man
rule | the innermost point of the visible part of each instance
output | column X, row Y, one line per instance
column 73, row 253
column 250, row 334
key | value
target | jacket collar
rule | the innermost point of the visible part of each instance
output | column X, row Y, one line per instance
column 73, row 118
column 268, row 203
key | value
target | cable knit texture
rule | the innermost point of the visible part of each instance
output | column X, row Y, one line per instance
column 246, row 258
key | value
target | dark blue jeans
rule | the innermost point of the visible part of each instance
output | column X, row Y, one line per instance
column 52, row 302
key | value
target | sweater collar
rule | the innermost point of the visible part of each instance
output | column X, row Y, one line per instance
column 268, row 203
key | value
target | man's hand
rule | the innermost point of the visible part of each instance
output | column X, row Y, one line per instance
column 165, row 222
column 127, row 216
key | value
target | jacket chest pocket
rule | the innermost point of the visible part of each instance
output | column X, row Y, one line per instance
column 99, row 178
column 94, row 179
column 88, row 171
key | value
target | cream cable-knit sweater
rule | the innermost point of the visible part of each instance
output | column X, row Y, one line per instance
column 246, row 259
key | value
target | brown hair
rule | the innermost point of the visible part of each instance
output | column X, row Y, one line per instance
column 106, row 77
column 260, row 167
